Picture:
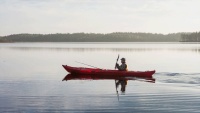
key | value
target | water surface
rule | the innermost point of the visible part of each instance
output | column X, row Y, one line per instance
column 31, row 78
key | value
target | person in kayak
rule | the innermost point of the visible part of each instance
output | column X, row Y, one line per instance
column 122, row 67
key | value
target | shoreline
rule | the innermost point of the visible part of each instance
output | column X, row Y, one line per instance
column 113, row 42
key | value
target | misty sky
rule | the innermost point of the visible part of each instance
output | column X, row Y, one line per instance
column 98, row 16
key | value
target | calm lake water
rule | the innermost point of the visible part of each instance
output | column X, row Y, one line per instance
column 31, row 78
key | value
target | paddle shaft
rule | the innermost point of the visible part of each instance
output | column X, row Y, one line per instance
column 116, row 61
column 116, row 81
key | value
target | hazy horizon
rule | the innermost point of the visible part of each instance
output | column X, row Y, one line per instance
column 93, row 16
column 92, row 33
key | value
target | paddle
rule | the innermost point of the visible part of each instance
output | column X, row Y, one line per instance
column 117, row 61
column 115, row 79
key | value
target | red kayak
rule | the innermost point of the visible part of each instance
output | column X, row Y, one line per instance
column 108, row 73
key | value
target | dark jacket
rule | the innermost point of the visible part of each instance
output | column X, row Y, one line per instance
column 122, row 67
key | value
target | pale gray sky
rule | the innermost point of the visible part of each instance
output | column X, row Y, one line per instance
column 98, row 16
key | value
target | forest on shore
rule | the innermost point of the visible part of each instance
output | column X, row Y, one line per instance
column 190, row 37
column 99, row 37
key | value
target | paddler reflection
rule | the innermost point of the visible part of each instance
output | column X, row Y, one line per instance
column 123, row 84
column 122, row 67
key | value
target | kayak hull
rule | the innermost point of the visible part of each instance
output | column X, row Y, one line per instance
column 108, row 73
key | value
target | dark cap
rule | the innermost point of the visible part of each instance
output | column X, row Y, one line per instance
column 123, row 59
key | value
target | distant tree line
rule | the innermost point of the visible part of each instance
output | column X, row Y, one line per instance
column 93, row 37
column 190, row 37
column 1, row 40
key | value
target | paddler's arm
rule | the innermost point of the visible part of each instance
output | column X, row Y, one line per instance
column 117, row 66
column 123, row 67
column 120, row 68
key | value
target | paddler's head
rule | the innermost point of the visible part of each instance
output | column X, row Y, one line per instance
column 123, row 60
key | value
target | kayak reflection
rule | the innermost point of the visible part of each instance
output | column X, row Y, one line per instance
column 120, row 80
column 101, row 77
